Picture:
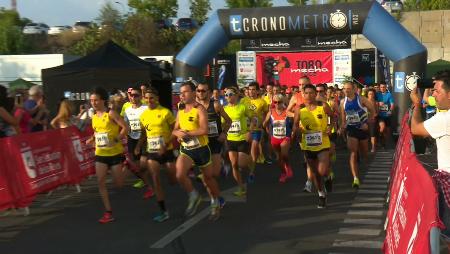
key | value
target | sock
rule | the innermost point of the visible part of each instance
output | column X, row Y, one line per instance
column 193, row 194
column 354, row 178
column 321, row 194
column 162, row 205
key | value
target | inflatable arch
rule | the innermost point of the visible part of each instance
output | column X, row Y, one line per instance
column 367, row 18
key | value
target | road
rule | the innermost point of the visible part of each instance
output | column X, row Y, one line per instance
column 275, row 218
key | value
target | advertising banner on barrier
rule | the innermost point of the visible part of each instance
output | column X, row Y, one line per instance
column 246, row 67
column 287, row 68
column 6, row 198
column 413, row 205
column 298, row 43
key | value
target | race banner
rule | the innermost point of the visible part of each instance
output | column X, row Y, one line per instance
column 342, row 65
column 297, row 43
column 363, row 66
column 287, row 68
column 6, row 198
column 246, row 67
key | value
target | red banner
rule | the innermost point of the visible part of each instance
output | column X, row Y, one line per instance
column 413, row 204
column 287, row 68
column 6, row 197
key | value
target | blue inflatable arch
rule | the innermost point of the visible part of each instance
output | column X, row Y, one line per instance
column 367, row 18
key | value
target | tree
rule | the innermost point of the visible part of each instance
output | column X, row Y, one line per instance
column 426, row 5
column 248, row 3
column 157, row 9
column 12, row 41
column 297, row 2
column 109, row 16
column 199, row 10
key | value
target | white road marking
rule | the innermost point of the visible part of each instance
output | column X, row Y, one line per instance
column 359, row 244
column 368, row 199
column 375, row 186
column 365, row 191
column 374, row 181
column 359, row 231
column 375, row 177
column 363, row 221
column 365, row 212
column 56, row 201
column 368, row 205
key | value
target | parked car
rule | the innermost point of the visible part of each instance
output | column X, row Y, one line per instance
column 186, row 24
column 163, row 23
column 81, row 26
column 392, row 5
column 54, row 30
column 35, row 28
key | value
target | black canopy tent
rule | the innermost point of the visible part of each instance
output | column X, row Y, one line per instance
column 110, row 67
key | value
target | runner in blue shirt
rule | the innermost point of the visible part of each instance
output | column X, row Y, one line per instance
column 386, row 106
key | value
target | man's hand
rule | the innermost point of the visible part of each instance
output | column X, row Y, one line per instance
column 415, row 97
column 222, row 137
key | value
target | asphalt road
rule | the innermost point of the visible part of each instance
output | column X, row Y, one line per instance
column 275, row 218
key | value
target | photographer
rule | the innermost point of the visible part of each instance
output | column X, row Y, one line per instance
column 438, row 127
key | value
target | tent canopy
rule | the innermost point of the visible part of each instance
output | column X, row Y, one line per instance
column 436, row 66
column 110, row 67
column 20, row 84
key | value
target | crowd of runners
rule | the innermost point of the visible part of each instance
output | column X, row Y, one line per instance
column 214, row 132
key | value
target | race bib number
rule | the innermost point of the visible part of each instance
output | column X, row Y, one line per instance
column 313, row 139
column 235, row 127
column 191, row 143
column 353, row 118
column 212, row 128
column 135, row 125
column 279, row 129
column 154, row 144
column 384, row 108
column 101, row 139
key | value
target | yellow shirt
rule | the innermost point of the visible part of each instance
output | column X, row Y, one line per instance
column 258, row 108
column 239, row 115
column 314, row 123
column 157, row 123
column 189, row 121
column 106, row 132
column 268, row 99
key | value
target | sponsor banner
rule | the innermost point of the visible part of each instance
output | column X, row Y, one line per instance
column 287, row 68
column 342, row 65
column 246, row 67
column 413, row 208
column 363, row 66
column 297, row 43
column 222, row 71
column 6, row 198
column 384, row 69
column 288, row 21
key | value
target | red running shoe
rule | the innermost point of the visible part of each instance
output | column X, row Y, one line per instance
column 289, row 173
column 107, row 217
column 149, row 193
column 282, row 178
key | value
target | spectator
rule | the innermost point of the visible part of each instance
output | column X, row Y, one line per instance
column 21, row 114
column 216, row 94
column 65, row 117
column 35, row 105
column 9, row 125
column 438, row 127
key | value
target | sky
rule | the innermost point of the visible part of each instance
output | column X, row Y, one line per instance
column 67, row 12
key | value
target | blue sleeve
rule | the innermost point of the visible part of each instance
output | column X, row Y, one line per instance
column 391, row 99
column 378, row 97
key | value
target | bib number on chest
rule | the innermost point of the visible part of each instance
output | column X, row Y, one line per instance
column 384, row 108
column 154, row 144
column 353, row 118
column 235, row 127
column 212, row 128
column 135, row 125
column 313, row 139
column 101, row 139
column 279, row 129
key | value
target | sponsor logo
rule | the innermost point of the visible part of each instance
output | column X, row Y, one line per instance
column 399, row 82
column 411, row 81
column 278, row 44
column 29, row 162
column 236, row 25
column 332, row 43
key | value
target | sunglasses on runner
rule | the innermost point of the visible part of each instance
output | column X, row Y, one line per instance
column 320, row 91
column 229, row 94
column 276, row 102
column 201, row 91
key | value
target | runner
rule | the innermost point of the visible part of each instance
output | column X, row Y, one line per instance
column 216, row 130
column 386, row 106
column 258, row 107
column 109, row 129
column 315, row 130
column 156, row 126
column 373, row 128
column 280, row 131
column 354, row 121
column 237, row 137
column 332, row 103
column 137, row 162
column 191, row 128
column 269, row 94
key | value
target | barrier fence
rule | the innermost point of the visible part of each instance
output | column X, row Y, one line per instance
column 413, row 202
column 39, row 162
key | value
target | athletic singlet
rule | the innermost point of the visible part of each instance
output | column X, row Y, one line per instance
column 355, row 113
column 157, row 123
column 314, row 123
column 238, row 114
column 257, row 107
column 131, row 117
column 214, row 121
column 330, row 102
column 105, row 133
column 188, row 122
column 299, row 100
column 281, row 124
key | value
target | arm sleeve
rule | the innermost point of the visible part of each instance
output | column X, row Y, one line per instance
column 436, row 126
column 391, row 99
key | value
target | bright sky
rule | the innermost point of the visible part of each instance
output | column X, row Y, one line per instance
column 67, row 12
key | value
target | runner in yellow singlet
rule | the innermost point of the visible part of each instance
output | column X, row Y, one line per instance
column 109, row 129
column 312, row 118
column 191, row 128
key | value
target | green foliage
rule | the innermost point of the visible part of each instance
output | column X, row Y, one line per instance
column 91, row 40
column 109, row 16
column 199, row 10
column 157, row 9
column 297, row 2
column 248, row 3
column 12, row 41
column 426, row 5
column 232, row 47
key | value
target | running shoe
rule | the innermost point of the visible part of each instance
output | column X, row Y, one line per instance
column 162, row 216
column 215, row 212
column 289, row 172
column 269, row 161
column 251, row 178
column 355, row 183
column 240, row 193
column 322, row 202
column 149, row 193
column 200, row 177
column 106, row 218
column 329, row 184
column 331, row 175
column 282, row 178
column 308, row 187
column 139, row 184
column 193, row 205
column 222, row 202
